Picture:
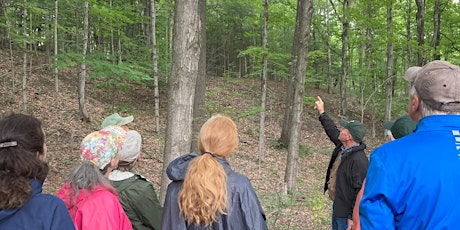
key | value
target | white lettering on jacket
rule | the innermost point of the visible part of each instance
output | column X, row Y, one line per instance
column 456, row 134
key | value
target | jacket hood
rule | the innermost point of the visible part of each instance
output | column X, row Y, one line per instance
column 36, row 188
column 178, row 167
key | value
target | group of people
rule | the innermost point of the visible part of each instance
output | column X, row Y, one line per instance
column 410, row 182
column 103, row 192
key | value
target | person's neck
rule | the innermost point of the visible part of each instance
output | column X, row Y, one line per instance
column 349, row 144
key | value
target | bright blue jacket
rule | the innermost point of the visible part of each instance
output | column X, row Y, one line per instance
column 413, row 182
column 40, row 212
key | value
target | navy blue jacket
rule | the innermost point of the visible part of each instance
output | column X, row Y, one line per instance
column 41, row 211
column 244, row 211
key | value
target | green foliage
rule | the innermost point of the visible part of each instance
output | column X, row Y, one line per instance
column 303, row 150
column 309, row 101
column 317, row 203
column 252, row 112
column 211, row 107
column 123, row 108
column 276, row 144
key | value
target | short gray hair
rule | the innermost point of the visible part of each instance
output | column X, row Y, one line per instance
column 425, row 109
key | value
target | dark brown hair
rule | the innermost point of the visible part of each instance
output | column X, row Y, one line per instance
column 20, row 163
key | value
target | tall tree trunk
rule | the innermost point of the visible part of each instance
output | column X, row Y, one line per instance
column 24, row 57
column 436, row 30
column 112, row 42
column 156, row 94
column 199, row 105
column 4, row 31
column 184, row 72
column 286, row 129
column 329, row 57
column 82, row 78
column 56, row 77
column 420, row 17
column 343, row 81
column 301, row 68
column 389, row 57
column 264, row 84
column 409, row 39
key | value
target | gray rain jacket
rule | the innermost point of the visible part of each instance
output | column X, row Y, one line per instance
column 244, row 211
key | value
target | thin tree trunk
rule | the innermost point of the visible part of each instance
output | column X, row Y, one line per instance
column 420, row 17
column 10, row 44
column 24, row 58
column 329, row 57
column 436, row 30
column 156, row 94
column 301, row 68
column 343, row 82
column 184, row 72
column 389, row 57
column 82, row 78
column 112, row 42
column 264, row 85
column 56, row 77
column 409, row 38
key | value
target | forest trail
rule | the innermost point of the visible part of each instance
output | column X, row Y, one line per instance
column 307, row 208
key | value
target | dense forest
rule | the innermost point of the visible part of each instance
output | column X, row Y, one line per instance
column 358, row 50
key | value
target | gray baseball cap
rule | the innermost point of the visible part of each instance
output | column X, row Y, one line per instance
column 438, row 84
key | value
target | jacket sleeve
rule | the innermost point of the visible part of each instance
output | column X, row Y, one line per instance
column 61, row 218
column 331, row 129
column 359, row 171
column 171, row 218
column 375, row 209
column 253, row 214
column 148, row 207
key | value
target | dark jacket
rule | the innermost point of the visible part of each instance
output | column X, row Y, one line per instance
column 41, row 211
column 140, row 202
column 243, row 209
column 350, row 174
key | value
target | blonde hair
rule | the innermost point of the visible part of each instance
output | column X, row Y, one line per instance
column 204, row 191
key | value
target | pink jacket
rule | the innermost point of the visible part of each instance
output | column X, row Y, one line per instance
column 95, row 210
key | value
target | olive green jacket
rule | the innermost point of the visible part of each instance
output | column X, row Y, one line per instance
column 140, row 202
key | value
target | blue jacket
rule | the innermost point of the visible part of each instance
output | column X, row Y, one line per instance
column 413, row 182
column 244, row 211
column 41, row 211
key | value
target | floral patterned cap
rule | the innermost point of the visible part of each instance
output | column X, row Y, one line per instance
column 100, row 147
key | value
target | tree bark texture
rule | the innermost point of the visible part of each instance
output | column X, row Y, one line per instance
column 286, row 129
column 199, row 105
column 301, row 68
column 82, row 79
column 156, row 94
column 420, row 18
column 186, row 55
column 263, row 85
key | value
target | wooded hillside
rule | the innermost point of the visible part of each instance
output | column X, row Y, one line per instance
column 307, row 208
column 172, row 64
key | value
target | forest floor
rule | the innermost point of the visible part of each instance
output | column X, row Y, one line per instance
column 306, row 208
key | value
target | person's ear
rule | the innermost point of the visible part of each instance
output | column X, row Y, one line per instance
column 41, row 157
column 415, row 108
